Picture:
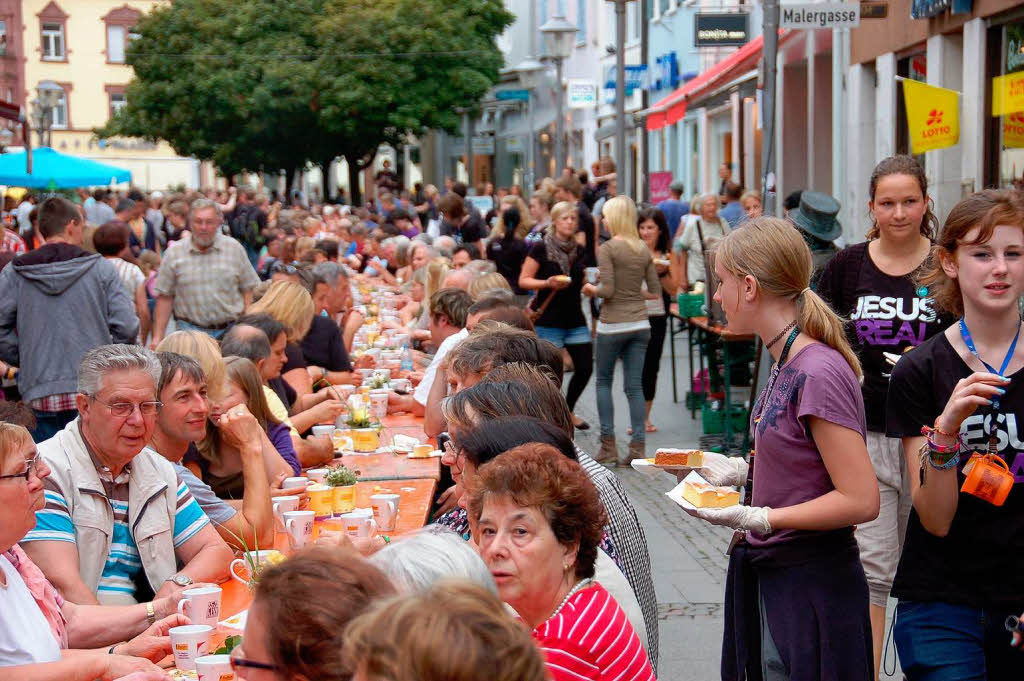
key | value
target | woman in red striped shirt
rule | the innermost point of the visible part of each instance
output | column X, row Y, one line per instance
column 537, row 520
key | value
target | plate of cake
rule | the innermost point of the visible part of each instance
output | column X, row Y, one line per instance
column 696, row 492
column 671, row 460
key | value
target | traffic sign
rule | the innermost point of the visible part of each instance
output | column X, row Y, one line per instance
column 817, row 15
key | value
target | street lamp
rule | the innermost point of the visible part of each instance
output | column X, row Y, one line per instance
column 531, row 74
column 559, row 36
column 620, row 93
column 42, row 109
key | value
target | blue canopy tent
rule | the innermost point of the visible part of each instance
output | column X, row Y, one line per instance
column 54, row 170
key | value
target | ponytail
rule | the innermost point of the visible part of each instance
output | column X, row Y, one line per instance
column 817, row 320
column 773, row 252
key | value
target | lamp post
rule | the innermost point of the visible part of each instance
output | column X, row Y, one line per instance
column 42, row 109
column 530, row 72
column 620, row 93
column 559, row 35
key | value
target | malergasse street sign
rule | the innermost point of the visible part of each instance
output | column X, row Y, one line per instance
column 815, row 15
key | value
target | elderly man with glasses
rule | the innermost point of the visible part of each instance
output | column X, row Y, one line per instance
column 118, row 521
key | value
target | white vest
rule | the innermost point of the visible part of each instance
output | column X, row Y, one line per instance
column 152, row 502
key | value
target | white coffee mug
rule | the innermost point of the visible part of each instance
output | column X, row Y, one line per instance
column 383, row 373
column 299, row 526
column 188, row 643
column 250, row 558
column 379, row 404
column 298, row 482
column 201, row 605
column 322, row 430
column 317, row 475
column 359, row 524
column 215, row 668
column 385, row 510
column 282, row 504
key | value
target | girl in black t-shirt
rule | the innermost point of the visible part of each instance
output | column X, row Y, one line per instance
column 962, row 569
column 872, row 285
column 554, row 268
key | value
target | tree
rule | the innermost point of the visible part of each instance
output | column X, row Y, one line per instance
column 255, row 85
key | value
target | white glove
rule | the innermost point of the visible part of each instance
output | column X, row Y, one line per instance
column 751, row 518
column 729, row 471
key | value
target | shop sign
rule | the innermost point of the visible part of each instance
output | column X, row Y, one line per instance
column 874, row 10
column 582, row 94
column 1008, row 93
column 666, row 72
column 514, row 145
column 482, row 146
column 820, row 15
column 933, row 116
column 660, row 182
column 512, row 95
column 635, row 76
column 721, row 30
column 1013, row 130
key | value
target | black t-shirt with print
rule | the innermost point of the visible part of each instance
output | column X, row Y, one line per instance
column 564, row 311
column 980, row 562
column 885, row 313
column 324, row 347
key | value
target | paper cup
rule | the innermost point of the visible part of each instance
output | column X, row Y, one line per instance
column 298, row 482
column 317, row 475
column 201, row 605
column 379, row 404
column 592, row 274
column 322, row 430
column 189, row 643
column 343, row 499
column 281, row 505
column 358, row 524
column 214, row 668
column 385, row 510
column 320, row 501
column 299, row 526
column 385, row 374
column 366, row 373
column 403, row 385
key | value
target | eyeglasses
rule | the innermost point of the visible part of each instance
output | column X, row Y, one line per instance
column 124, row 409
column 240, row 662
column 457, row 452
column 29, row 465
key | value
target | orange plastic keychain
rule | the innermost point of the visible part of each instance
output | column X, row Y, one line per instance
column 988, row 478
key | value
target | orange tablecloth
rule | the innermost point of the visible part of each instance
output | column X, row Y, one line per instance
column 384, row 467
column 413, row 513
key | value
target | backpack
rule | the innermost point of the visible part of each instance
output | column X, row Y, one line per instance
column 244, row 226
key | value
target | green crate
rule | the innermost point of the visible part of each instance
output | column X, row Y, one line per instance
column 713, row 420
column 691, row 304
column 694, row 400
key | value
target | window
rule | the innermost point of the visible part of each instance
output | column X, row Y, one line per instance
column 581, row 22
column 60, row 112
column 663, row 5
column 117, row 102
column 116, row 43
column 53, row 42
column 3, row 39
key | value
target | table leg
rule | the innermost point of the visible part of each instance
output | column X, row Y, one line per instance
column 672, row 354
column 727, row 402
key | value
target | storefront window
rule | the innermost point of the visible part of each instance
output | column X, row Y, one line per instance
column 1011, row 125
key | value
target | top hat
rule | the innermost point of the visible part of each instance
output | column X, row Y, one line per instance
column 816, row 215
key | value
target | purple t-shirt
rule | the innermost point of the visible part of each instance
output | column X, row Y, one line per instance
column 788, row 469
column 280, row 436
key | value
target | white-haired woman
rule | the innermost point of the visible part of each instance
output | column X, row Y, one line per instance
column 431, row 555
column 700, row 234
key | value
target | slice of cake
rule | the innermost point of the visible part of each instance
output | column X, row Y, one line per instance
column 703, row 494
column 422, row 451
column 693, row 458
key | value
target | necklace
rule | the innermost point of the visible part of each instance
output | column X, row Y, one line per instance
column 580, row 585
column 782, row 333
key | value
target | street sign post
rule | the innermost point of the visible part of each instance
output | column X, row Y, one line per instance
column 817, row 15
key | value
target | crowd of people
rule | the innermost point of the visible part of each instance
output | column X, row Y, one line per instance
column 165, row 359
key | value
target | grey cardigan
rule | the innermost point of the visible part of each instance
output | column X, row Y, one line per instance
column 623, row 271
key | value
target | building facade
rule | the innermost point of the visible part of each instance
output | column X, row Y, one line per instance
column 81, row 46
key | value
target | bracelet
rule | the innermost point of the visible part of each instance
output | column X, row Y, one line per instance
column 935, row 428
column 952, row 462
column 929, row 434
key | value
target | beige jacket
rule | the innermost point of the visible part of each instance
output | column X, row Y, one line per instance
column 152, row 502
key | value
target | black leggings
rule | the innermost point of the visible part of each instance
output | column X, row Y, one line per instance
column 653, row 357
column 582, row 356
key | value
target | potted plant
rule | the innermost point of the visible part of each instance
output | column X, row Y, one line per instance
column 342, row 482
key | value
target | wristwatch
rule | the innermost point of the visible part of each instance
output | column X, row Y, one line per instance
column 180, row 580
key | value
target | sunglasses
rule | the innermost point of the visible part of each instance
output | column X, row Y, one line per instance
column 29, row 465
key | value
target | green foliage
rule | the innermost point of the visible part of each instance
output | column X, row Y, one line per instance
column 230, row 643
column 341, row 477
column 261, row 85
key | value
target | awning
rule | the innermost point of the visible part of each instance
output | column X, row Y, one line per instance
column 672, row 108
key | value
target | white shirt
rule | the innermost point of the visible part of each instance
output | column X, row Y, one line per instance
column 689, row 241
column 25, row 637
column 423, row 389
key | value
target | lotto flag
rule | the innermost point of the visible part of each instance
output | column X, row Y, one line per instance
column 933, row 116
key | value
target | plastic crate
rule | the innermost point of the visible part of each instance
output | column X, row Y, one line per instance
column 713, row 420
column 691, row 304
column 695, row 400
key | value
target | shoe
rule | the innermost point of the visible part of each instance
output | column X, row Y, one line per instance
column 636, row 450
column 609, row 451
column 582, row 425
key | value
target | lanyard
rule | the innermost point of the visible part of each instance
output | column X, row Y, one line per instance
column 775, row 371
column 969, row 342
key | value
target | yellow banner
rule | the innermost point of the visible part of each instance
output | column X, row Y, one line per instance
column 1013, row 130
column 1008, row 93
column 933, row 116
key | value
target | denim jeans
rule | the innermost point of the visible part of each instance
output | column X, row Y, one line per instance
column 215, row 334
column 945, row 642
column 630, row 347
column 49, row 423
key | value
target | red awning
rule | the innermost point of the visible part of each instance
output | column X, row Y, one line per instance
column 673, row 107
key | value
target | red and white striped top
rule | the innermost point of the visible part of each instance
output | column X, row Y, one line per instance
column 590, row 639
